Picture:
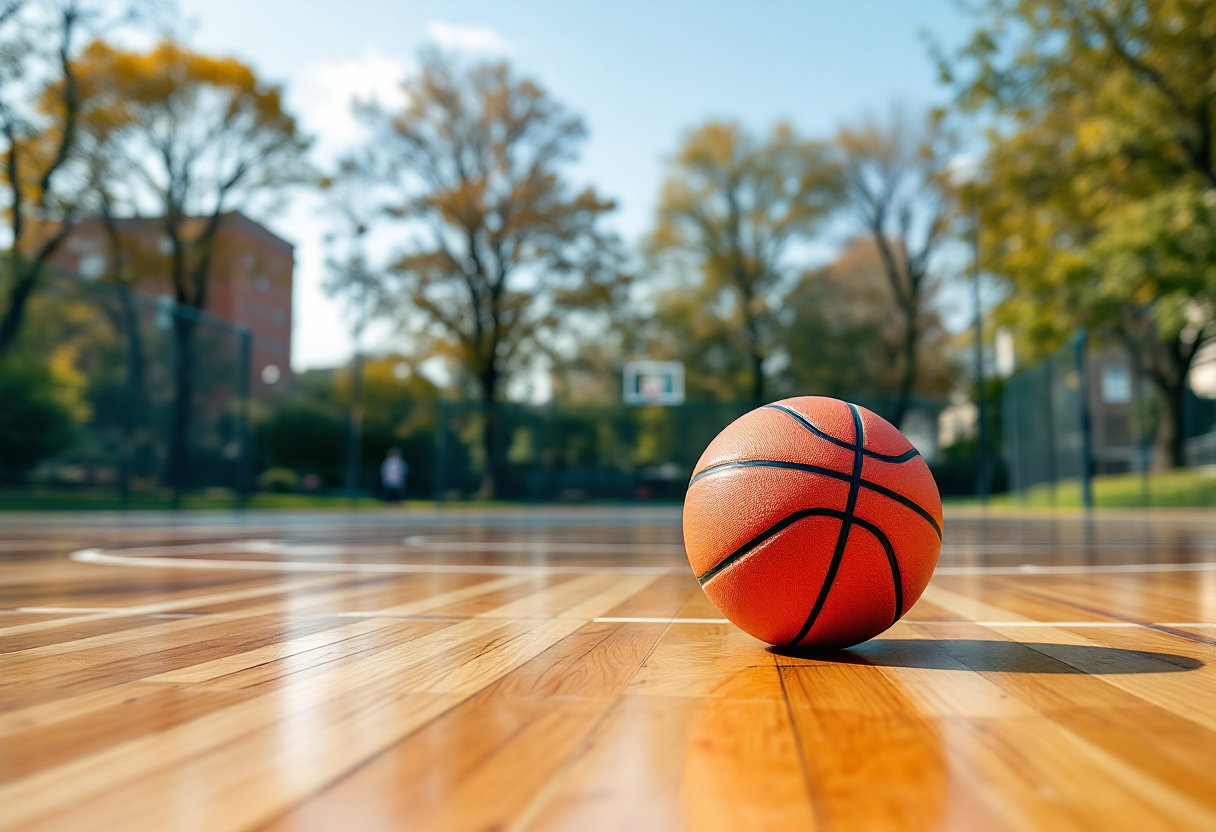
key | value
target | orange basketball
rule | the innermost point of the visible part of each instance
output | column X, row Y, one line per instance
column 812, row 522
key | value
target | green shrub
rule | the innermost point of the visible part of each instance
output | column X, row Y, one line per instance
column 36, row 422
column 279, row 479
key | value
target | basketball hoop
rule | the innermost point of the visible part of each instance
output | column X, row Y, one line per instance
column 653, row 382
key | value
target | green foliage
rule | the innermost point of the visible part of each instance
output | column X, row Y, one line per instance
column 1099, row 175
column 36, row 420
column 303, row 435
column 1187, row 488
column 278, row 480
column 306, row 431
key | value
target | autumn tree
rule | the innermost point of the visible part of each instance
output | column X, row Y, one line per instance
column 503, row 252
column 195, row 137
column 731, row 207
column 896, row 187
column 1100, row 174
column 850, row 327
column 39, row 109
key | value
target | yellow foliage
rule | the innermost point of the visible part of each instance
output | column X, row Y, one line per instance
column 69, row 382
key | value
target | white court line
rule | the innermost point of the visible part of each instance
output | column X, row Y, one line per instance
column 645, row 620
column 273, row 547
column 609, row 620
column 919, row 623
column 527, row 546
column 67, row 609
column 1077, row 569
column 100, row 557
column 1065, row 623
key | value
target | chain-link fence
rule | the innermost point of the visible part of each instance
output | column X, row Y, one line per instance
column 124, row 397
column 1046, row 422
column 1086, row 410
column 119, row 398
column 575, row 452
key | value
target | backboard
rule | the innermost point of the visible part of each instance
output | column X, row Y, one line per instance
column 653, row 382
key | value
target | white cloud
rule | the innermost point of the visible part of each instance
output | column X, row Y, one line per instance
column 479, row 39
column 325, row 92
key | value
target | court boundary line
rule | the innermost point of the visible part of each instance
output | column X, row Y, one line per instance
column 109, row 558
column 127, row 557
column 608, row 619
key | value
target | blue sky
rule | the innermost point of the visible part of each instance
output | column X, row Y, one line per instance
column 639, row 73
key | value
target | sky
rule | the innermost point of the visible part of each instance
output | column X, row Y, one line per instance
column 639, row 73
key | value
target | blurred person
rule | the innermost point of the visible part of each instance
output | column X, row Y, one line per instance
column 392, row 475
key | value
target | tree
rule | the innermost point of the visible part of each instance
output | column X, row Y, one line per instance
column 38, row 141
column 1099, row 172
column 350, row 200
column 197, row 137
column 503, row 252
column 895, row 180
column 849, row 324
column 731, row 207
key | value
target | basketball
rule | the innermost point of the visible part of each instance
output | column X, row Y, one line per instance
column 812, row 523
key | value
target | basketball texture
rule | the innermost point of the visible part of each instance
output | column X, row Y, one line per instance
column 813, row 523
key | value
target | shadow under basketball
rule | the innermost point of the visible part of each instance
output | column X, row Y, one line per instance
column 982, row 656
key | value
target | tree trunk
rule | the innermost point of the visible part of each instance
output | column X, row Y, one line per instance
column 1171, row 430
column 134, row 413
column 757, row 378
column 25, row 275
column 489, row 434
column 179, row 431
column 908, row 383
column 1167, row 363
column 755, row 353
column 353, row 473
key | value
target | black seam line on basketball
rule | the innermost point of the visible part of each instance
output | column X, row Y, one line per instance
column 780, row 525
column 846, row 525
column 827, row 472
column 806, row 423
column 896, row 579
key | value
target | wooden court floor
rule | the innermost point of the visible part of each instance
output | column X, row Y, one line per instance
column 561, row 670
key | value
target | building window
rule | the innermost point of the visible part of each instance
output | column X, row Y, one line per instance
column 278, row 316
column 262, row 282
column 165, row 245
column 1116, row 385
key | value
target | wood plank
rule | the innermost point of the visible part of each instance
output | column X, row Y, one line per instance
column 670, row 763
column 162, row 698
column 708, row 660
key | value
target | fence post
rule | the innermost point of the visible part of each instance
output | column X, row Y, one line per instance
column 441, row 450
column 1142, row 444
column 245, row 472
column 1087, row 462
column 1050, row 403
column 1012, row 428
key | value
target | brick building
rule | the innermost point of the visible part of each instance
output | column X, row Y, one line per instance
column 250, row 284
